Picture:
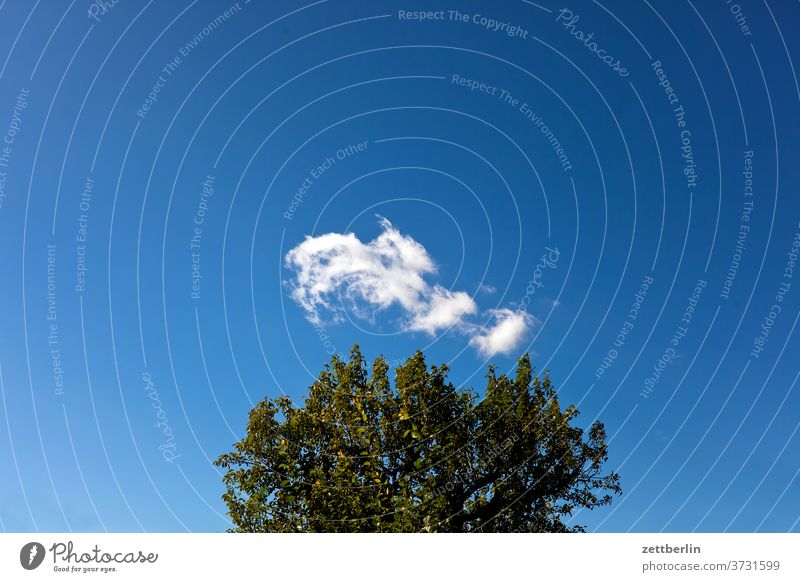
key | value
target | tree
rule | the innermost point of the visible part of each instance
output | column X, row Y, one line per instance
column 361, row 456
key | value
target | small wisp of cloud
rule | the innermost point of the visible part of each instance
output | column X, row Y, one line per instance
column 507, row 332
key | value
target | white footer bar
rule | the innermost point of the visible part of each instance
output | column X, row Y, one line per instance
column 401, row 557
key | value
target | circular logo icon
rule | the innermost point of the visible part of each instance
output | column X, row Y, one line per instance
column 31, row 555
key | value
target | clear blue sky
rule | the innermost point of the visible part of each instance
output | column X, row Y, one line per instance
column 232, row 196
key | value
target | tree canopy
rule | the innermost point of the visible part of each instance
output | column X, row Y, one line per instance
column 363, row 455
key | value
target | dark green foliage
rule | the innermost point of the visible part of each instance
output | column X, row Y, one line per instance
column 361, row 456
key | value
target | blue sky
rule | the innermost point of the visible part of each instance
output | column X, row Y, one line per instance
column 235, row 191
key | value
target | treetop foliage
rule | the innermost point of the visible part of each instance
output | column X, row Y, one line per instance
column 363, row 455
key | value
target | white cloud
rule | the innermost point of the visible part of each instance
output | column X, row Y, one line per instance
column 337, row 272
column 505, row 335
column 444, row 309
